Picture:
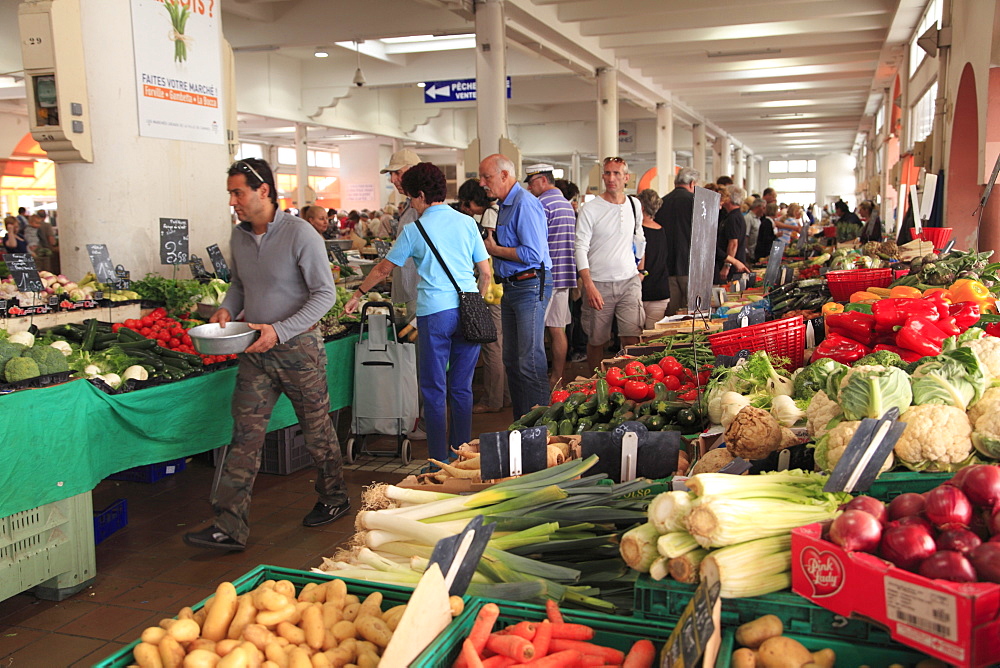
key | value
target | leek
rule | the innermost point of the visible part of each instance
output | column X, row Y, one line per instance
column 675, row 544
column 638, row 547
column 685, row 567
column 777, row 483
column 668, row 511
column 718, row 521
column 527, row 501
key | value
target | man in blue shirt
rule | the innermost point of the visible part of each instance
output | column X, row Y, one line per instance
column 520, row 249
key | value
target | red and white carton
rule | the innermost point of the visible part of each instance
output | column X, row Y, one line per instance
column 957, row 623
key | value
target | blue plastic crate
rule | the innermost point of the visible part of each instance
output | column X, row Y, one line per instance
column 150, row 472
column 110, row 520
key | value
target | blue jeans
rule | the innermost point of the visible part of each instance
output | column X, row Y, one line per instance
column 446, row 362
column 523, row 317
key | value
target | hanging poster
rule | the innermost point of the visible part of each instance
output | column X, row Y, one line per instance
column 178, row 69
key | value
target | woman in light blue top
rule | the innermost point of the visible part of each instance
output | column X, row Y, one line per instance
column 447, row 361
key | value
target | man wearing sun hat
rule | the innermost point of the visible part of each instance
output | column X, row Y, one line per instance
column 404, row 279
column 561, row 220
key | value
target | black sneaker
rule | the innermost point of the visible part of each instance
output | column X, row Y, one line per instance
column 214, row 538
column 324, row 514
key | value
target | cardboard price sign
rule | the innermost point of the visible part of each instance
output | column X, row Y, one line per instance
column 173, row 241
column 23, row 271
column 100, row 260
column 219, row 262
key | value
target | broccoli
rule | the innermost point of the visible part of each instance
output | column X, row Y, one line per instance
column 882, row 358
column 8, row 351
column 49, row 359
column 20, row 368
column 811, row 379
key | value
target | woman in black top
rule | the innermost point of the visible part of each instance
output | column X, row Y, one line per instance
column 655, row 289
column 766, row 235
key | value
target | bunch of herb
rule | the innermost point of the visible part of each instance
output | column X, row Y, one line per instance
column 178, row 296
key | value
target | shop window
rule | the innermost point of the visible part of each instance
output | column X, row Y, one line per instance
column 932, row 15
column 923, row 114
column 250, row 151
column 777, row 166
column 286, row 156
column 797, row 165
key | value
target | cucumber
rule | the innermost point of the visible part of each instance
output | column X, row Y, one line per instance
column 126, row 334
column 602, row 390
column 660, row 392
column 193, row 360
column 655, row 423
column 531, row 417
column 669, row 409
column 144, row 344
column 575, row 400
column 589, row 407
column 553, row 427
column 566, row 428
column 627, row 407
column 555, row 412
column 644, row 408
column 90, row 334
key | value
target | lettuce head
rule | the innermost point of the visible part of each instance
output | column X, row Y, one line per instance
column 953, row 378
column 870, row 391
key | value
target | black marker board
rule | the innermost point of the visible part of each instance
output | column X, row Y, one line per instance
column 382, row 248
column 23, row 271
column 173, row 241
column 774, row 262
column 198, row 268
column 219, row 262
column 100, row 260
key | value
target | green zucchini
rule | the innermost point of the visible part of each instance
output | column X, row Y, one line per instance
column 584, row 424
column 126, row 334
column 604, row 426
column 575, row 400
column 144, row 344
column 90, row 334
column 589, row 407
column 659, row 392
column 655, row 423
column 566, row 427
column 531, row 417
column 628, row 406
column 644, row 408
column 555, row 412
column 602, row 391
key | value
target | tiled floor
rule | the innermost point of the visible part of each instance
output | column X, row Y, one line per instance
column 146, row 572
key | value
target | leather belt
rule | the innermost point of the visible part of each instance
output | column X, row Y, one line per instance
column 520, row 276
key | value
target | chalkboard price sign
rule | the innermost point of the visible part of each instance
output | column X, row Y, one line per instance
column 339, row 256
column 23, row 271
column 771, row 274
column 173, row 241
column 198, row 267
column 100, row 260
column 219, row 262
column 382, row 248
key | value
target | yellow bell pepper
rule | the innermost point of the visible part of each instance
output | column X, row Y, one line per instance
column 944, row 293
column 905, row 291
column 864, row 296
column 968, row 290
column 832, row 307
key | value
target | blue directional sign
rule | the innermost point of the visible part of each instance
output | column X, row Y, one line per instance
column 455, row 90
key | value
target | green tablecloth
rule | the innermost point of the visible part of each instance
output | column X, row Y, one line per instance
column 62, row 440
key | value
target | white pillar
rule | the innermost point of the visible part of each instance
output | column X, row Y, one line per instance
column 360, row 181
column 698, row 151
column 491, row 76
column 574, row 168
column 664, row 147
column 133, row 181
column 750, row 183
column 739, row 167
column 723, row 163
column 885, row 176
column 607, row 112
column 301, row 165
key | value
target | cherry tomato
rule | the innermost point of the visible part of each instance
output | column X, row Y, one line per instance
column 635, row 368
column 636, row 390
column 615, row 377
column 703, row 376
column 671, row 366
column 654, row 372
column 672, row 382
column 690, row 395
column 145, row 331
column 688, row 376
column 159, row 312
column 652, row 392
column 685, row 387
column 132, row 323
column 559, row 395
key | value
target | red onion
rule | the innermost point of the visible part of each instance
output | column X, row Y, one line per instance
column 916, row 520
column 870, row 505
column 993, row 523
column 856, row 530
column 948, row 565
column 906, row 505
column 947, row 506
column 986, row 560
column 958, row 540
column 982, row 485
column 959, row 478
column 906, row 545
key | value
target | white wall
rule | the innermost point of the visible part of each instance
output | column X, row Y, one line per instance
column 835, row 179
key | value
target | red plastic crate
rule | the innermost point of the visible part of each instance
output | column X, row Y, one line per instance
column 935, row 235
column 779, row 338
column 844, row 283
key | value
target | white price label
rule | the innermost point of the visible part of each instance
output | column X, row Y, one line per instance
column 923, row 608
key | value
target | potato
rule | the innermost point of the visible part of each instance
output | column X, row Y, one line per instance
column 224, row 647
column 201, row 658
column 744, row 657
column 336, row 592
column 295, row 635
column 351, row 598
column 258, row 634
column 220, row 616
column 258, row 593
column 274, row 617
column 344, row 629
column 368, row 660
column 153, row 635
column 392, row 616
column 202, row 643
column 457, row 605
column 332, row 613
column 752, row 634
column 147, row 655
column 185, row 630
column 185, row 613
column 299, row 658
column 825, row 658
column 200, row 616
column 269, row 664
column 171, row 652
column 351, row 611
column 276, row 654
column 272, row 600
column 308, row 592
column 246, row 613
column 255, row 657
column 321, row 660
column 235, row 659
column 285, row 587
column 329, row 640
column 374, row 630
column 372, row 605
column 781, row 652
column 312, row 626
column 350, row 649
column 338, row 657
column 363, row 646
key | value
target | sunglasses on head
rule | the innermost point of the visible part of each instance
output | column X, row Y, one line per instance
column 615, row 159
column 247, row 168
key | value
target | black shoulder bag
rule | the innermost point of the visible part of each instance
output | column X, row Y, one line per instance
column 477, row 323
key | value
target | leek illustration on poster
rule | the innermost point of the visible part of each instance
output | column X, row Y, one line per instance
column 178, row 69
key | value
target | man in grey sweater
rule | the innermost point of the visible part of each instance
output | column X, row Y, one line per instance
column 283, row 285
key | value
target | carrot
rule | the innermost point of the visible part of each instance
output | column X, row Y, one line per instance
column 642, row 655
column 572, row 631
column 524, row 629
column 610, row 655
column 589, row 660
column 498, row 661
column 480, row 632
column 543, row 635
column 470, row 655
column 552, row 611
column 565, row 659
column 513, row 646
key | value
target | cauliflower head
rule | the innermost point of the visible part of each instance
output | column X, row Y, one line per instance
column 831, row 447
column 986, row 434
column 990, row 402
column 936, row 438
column 988, row 351
column 821, row 411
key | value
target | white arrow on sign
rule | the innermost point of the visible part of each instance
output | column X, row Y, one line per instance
column 434, row 91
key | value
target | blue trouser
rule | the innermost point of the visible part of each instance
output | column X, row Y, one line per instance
column 523, row 317
column 447, row 362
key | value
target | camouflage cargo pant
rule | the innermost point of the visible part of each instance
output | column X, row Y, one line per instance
column 298, row 369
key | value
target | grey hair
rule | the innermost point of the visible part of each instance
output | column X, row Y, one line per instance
column 686, row 175
column 758, row 201
column 504, row 164
column 736, row 194
column 650, row 201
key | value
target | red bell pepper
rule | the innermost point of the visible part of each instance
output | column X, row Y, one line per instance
column 921, row 335
column 840, row 349
column 894, row 311
column 855, row 325
column 948, row 326
column 906, row 355
column 940, row 303
column 966, row 314
column 992, row 329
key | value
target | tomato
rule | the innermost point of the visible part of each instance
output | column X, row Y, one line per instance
column 559, row 395
column 115, row 327
column 672, row 382
column 688, row 376
column 159, row 312
column 690, row 395
column 652, row 392
column 146, row 321
column 132, row 324
column 145, row 331
column 615, row 377
column 703, row 376
column 685, row 387
column 636, row 390
column 654, row 372
column 671, row 366
column 635, row 368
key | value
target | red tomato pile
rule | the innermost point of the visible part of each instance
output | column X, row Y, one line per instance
column 168, row 333
column 636, row 380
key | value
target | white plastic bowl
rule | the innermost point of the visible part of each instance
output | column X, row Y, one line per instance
column 210, row 339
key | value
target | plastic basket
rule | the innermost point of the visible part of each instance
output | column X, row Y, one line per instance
column 890, row 485
column 844, row 283
column 285, row 452
column 938, row 236
column 150, row 472
column 609, row 631
column 779, row 338
column 110, row 520
column 392, row 595
column 849, row 653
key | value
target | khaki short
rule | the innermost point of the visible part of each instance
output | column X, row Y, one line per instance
column 655, row 310
column 557, row 312
column 622, row 299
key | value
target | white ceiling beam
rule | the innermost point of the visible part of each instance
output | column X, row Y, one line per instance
column 581, row 10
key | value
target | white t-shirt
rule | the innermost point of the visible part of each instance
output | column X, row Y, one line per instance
column 608, row 239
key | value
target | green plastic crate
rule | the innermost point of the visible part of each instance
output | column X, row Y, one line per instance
column 392, row 596
column 666, row 600
column 610, row 631
column 880, row 654
column 890, row 485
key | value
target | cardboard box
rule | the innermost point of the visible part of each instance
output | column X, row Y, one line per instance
column 683, row 326
column 957, row 623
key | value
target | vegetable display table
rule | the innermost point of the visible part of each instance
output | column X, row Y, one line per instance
column 62, row 440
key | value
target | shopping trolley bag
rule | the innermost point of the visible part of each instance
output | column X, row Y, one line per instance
column 385, row 377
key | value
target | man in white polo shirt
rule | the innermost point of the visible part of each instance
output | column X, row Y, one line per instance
column 609, row 244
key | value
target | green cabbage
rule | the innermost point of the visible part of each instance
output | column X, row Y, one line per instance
column 869, row 393
column 811, row 379
column 953, row 378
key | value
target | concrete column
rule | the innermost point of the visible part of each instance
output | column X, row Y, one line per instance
column 885, row 176
column 491, row 75
column 941, row 103
column 739, row 168
column 574, row 168
column 723, row 163
column 750, row 182
column 133, row 181
column 698, row 151
column 301, row 165
column 664, row 182
column 607, row 112
column 360, row 182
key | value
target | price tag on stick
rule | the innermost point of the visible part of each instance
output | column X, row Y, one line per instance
column 655, row 454
column 198, row 270
column 340, row 257
column 866, row 453
column 100, row 260
column 382, row 248
column 23, row 271
column 507, row 453
column 697, row 636
column 458, row 555
column 173, row 241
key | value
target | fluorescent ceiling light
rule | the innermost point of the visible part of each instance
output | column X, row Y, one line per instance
column 420, row 84
column 321, row 52
column 786, row 103
column 776, row 91
column 796, row 134
column 782, row 115
column 406, row 40
column 745, row 52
